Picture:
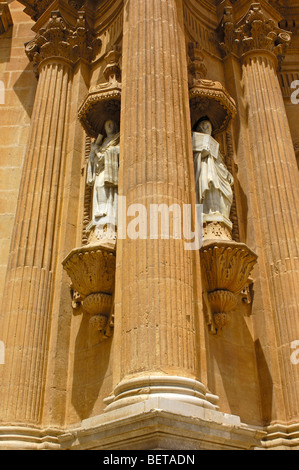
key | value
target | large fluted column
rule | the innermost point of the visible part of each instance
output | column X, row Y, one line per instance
column 157, row 324
column 26, row 311
column 277, row 183
column 275, row 189
column 29, row 279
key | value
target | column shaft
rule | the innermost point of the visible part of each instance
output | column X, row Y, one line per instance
column 276, row 182
column 27, row 300
column 155, row 289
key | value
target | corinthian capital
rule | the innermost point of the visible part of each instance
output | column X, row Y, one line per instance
column 59, row 40
column 254, row 32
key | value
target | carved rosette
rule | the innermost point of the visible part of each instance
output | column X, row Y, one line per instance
column 255, row 32
column 92, row 272
column 59, row 40
column 226, row 267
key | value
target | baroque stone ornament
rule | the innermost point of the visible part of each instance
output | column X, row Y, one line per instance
column 254, row 32
column 103, row 101
column 59, row 40
column 226, row 267
column 92, row 271
column 207, row 97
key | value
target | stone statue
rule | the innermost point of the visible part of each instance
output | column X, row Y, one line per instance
column 102, row 176
column 213, row 180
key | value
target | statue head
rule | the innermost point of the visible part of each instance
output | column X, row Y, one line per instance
column 205, row 127
column 110, row 127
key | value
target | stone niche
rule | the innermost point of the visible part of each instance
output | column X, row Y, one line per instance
column 91, row 267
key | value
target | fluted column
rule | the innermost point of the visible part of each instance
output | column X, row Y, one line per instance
column 157, row 284
column 275, row 188
column 29, row 278
column 276, row 177
column 26, row 311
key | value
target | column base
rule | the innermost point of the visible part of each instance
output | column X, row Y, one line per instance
column 29, row 438
column 282, row 437
column 158, row 423
column 173, row 388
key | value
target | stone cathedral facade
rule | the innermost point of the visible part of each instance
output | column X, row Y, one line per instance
column 118, row 120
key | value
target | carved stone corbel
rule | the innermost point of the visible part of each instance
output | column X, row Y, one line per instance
column 92, row 271
column 226, row 267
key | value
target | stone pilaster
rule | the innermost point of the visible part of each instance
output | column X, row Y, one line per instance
column 26, row 312
column 157, row 319
column 261, row 45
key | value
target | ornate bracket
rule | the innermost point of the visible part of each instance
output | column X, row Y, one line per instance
column 226, row 267
column 92, row 271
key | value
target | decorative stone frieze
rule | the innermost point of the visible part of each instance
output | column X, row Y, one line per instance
column 255, row 32
column 59, row 40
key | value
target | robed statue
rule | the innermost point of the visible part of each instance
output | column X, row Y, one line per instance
column 213, row 180
column 102, row 176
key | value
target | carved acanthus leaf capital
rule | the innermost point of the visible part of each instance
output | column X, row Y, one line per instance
column 255, row 32
column 59, row 40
